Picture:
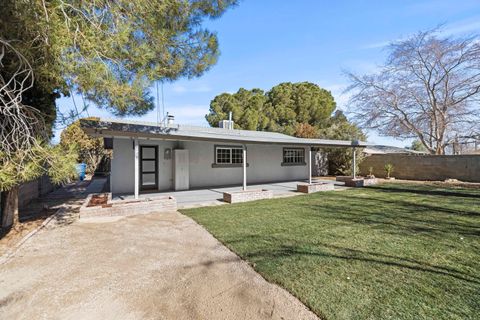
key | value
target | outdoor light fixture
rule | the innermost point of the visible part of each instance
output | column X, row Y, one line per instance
column 167, row 154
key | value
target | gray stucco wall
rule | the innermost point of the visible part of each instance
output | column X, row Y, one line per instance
column 425, row 167
column 264, row 165
column 122, row 168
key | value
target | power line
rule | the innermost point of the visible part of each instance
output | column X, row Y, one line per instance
column 75, row 105
column 163, row 103
column 158, row 104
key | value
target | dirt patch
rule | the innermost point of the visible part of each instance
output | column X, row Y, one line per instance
column 99, row 200
column 155, row 266
column 9, row 238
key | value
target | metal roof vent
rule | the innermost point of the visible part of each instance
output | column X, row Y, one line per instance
column 170, row 119
column 226, row 124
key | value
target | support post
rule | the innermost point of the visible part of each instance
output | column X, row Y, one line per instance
column 354, row 170
column 244, row 163
column 310, row 165
column 137, row 168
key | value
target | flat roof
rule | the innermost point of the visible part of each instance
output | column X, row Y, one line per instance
column 381, row 149
column 122, row 128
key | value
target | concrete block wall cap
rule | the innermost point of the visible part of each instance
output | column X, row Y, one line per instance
column 314, row 183
column 246, row 191
column 130, row 206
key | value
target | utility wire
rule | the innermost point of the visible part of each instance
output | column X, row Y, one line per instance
column 163, row 103
column 158, row 104
column 75, row 105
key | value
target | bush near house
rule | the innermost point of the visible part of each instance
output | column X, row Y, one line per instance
column 90, row 150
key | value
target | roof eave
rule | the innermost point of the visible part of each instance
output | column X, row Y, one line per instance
column 102, row 128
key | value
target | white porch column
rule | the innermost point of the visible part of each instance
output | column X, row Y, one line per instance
column 354, row 170
column 244, row 167
column 310, row 165
column 137, row 168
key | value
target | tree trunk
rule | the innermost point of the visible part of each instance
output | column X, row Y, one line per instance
column 9, row 208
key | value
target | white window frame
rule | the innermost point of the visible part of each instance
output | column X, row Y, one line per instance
column 230, row 148
column 295, row 158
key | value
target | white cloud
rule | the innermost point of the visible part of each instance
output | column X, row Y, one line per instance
column 341, row 98
column 202, row 88
column 188, row 111
column 376, row 45
column 189, row 114
column 470, row 25
column 178, row 88
column 337, row 90
column 462, row 27
column 440, row 6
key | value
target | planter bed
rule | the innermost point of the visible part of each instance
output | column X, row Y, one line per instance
column 361, row 182
column 247, row 195
column 95, row 205
column 315, row 187
column 343, row 178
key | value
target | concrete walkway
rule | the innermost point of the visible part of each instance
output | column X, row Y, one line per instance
column 213, row 196
column 157, row 266
column 69, row 197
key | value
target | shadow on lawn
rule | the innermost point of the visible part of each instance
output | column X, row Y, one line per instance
column 426, row 191
column 323, row 250
column 411, row 217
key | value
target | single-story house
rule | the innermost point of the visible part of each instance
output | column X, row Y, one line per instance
column 148, row 157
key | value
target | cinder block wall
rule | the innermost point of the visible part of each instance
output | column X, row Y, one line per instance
column 425, row 167
column 33, row 190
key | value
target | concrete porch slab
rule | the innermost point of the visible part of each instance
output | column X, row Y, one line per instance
column 214, row 196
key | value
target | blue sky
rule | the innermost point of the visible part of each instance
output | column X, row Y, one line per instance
column 266, row 42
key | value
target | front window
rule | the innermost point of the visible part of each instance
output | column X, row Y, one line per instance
column 293, row 156
column 228, row 155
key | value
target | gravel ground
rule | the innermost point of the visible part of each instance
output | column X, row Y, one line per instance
column 157, row 266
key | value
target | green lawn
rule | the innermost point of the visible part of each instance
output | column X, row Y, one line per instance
column 395, row 251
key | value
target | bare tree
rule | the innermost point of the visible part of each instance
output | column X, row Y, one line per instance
column 428, row 89
column 21, row 125
column 24, row 151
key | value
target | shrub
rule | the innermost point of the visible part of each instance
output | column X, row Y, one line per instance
column 389, row 169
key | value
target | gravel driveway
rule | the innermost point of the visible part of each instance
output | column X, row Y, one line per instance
column 157, row 266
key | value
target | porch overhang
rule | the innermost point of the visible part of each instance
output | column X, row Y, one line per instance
column 115, row 128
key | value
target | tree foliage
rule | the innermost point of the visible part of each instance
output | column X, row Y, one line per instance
column 428, row 89
column 417, row 146
column 43, row 159
column 301, row 109
column 305, row 130
column 90, row 150
column 247, row 107
column 112, row 50
column 293, row 103
column 24, row 152
column 280, row 109
column 339, row 128
column 108, row 51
